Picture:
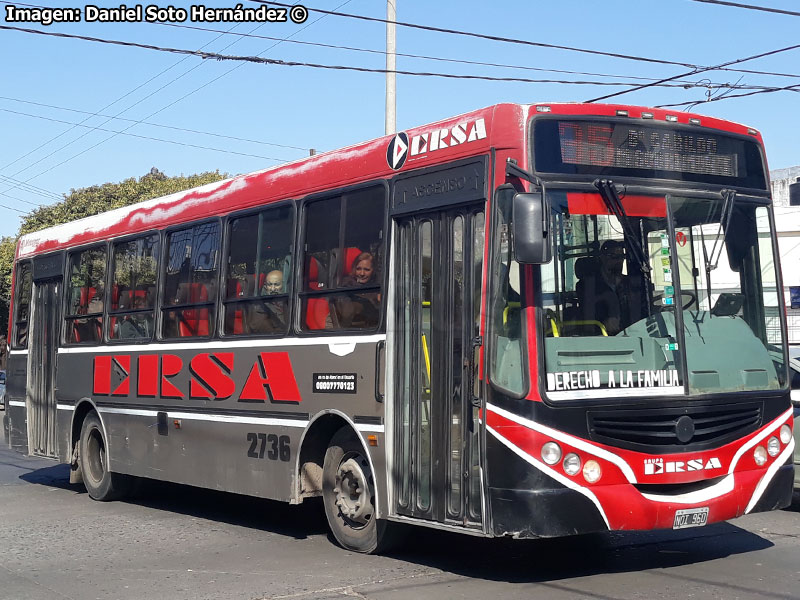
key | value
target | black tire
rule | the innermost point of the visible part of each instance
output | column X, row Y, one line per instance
column 101, row 484
column 348, row 492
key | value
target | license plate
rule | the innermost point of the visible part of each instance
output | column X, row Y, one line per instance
column 690, row 517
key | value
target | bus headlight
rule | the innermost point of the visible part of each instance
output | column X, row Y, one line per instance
column 786, row 434
column 760, row 455
column 773, row 446
column 592, row 471
column 572, row 464
column 551, row 453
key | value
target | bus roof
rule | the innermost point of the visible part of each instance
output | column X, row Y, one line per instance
column 500, row 125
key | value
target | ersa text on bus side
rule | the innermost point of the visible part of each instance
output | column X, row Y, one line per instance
column 206, row 376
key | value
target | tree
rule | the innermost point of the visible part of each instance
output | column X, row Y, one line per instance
column 90, row 201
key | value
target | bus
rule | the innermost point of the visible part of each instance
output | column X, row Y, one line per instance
column 526, row 321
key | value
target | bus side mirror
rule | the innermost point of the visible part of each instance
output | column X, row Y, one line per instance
column 530, row 229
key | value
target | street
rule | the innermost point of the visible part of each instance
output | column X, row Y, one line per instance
column 176, row 542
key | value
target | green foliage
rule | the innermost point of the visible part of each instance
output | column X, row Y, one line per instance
column 100, row 198
column 7, row 248
column 91, row 201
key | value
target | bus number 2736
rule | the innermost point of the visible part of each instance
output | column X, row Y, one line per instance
column 272, row 446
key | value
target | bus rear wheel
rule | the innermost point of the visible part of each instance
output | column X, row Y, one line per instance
column 101, row 484
column 348, row 491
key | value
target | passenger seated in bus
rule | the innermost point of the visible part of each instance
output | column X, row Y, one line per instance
column 273, row 284
column 269, row 316
column 360, row 310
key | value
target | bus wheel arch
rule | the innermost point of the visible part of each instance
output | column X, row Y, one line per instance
column 349, row 494
column 90, row 453
column 313, row 445
column 82, row 408
column 333, row 461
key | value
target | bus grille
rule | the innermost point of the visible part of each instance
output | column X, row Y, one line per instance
column 674, row 430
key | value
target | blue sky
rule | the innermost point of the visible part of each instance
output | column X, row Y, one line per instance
column 306, row 108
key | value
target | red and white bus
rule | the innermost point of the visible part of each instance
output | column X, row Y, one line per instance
column 527, row 320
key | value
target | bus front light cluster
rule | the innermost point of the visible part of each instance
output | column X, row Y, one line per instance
column 572, row 464
column 551, row 453
column 592, row 471
column 773, row 446
column 760, row 455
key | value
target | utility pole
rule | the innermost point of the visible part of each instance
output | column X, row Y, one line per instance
column 391, row 65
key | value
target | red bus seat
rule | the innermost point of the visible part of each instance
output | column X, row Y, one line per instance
column 350, row 255
column 194, row 321
column 317, row 309
column 87, row 294
column 236, row 290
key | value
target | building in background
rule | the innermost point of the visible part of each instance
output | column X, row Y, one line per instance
column 787, row 219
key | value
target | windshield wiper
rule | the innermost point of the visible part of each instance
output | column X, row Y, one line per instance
column 728, row 201
column 608, row 192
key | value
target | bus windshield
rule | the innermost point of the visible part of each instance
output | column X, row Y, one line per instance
column 612, row 320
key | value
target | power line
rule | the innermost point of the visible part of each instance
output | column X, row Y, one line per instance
column 483, row 36
column 110, row 117
column 21, row 200
column 31, row 188
column 524, row 42
column 12, row 208
column 696, row 71
column 788, row 88
column 452, row 60
column 144, row 137
column 740, row 5
column 306, row 26
column 107, row 106
column 271, row 61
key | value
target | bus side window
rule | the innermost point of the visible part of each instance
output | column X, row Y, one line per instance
column 344, row 261
column 86, row 296
column 22, row 305
column 190, row 281
column 258, row 275
column 133, row 285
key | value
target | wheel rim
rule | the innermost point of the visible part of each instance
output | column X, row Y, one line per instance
column 96, row 456
column 353, row 491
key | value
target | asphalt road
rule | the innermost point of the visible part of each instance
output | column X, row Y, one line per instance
column 174, row 542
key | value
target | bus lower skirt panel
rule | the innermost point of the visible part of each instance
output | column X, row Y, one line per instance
column 779, row 491
column 542, row 513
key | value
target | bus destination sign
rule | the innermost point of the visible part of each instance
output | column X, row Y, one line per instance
column 629, row 147
column 624, row 149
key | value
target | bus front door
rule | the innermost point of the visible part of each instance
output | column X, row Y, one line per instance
column 41, row 393
column 437, row 473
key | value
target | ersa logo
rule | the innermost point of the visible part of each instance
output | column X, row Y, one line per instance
column 657, row 466
column 400, row 147
column 206, row 376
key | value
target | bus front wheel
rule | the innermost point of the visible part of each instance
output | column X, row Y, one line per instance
column 101, row 484
column 348, row 491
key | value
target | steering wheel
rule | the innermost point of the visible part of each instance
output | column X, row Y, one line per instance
column 687, row 298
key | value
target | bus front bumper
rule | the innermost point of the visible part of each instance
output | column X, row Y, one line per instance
column 562, row 511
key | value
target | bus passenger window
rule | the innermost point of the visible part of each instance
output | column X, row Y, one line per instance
column 343, row 265
column 190, row 281
column 22, row 305
column 258, row 274
column 86, row 296
column 133, row 288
